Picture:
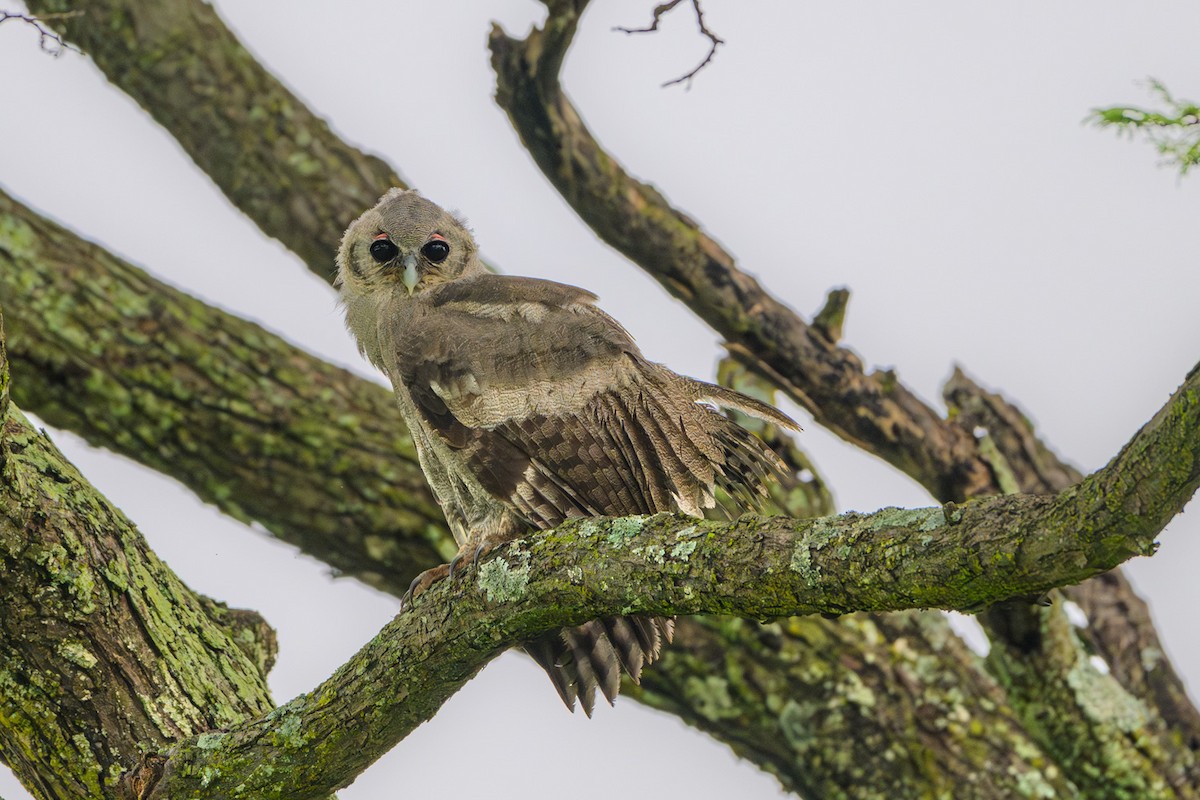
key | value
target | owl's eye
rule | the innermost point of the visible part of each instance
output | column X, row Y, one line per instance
column 383, row 250
column 436, row 250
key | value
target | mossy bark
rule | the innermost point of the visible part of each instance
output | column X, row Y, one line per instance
column 876, row 411
column 1119, row 626
column 273, row 157
column 865, row 706
column 250, row 423
column 104, row 654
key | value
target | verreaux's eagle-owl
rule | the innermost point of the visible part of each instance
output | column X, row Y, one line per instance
column 530, row 406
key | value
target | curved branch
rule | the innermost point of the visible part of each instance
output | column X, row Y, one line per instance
column 136, row 28
column 264, row 148
column 1119, row 627
column 104, row 653
column 950, row 557
column 75, row 308
column 250, row 423
column 876, row 411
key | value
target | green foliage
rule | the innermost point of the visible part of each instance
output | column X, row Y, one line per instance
column 1174, row 131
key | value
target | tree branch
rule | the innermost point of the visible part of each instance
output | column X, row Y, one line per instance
column 272, row 157
column 876, row 412
column 950, row 557
column 76, row 306
column 103, row 652
column 50, row 42
column 139, row 31
column 1035, row 653
column 250, row 423
column 714, row 41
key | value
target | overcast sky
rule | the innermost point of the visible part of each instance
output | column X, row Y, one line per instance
column 930, row 156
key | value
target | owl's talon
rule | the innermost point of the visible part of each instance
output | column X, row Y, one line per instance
column 422, row 582
column 454, row 564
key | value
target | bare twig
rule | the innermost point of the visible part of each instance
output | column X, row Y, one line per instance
column 48, row 40
column 714, row 40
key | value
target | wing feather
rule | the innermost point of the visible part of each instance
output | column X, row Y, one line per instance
column 546, row 402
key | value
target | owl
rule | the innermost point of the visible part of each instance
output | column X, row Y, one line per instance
column 530, row 406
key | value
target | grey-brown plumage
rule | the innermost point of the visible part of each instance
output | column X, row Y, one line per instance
column 530, row 406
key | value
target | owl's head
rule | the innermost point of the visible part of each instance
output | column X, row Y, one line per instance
column 405, row 241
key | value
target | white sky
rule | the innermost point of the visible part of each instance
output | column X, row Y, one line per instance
column 930, row 156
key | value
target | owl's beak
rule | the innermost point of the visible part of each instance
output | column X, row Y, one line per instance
column 410, row 276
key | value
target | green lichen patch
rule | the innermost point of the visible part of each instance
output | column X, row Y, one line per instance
column 921, row 519
column 290, row 732
column 802, row 562
column 1104, row 700
column 210, row 741
column 819, row 535
column 856, row 692
column 16, row 237
column 75, row 652
column 502, row 582
column 683, row 550
column 654, row 553
column 796, row 722
column 710, row 697
column 622, row 530
column 380, row 548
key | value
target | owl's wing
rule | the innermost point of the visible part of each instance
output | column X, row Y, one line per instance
column 557, row 414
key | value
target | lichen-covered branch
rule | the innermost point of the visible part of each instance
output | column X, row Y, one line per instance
column 274, row 158
column 867, row 705
column 73, row 350
column 1038, row 656
column 249, row 422
column 874, row 411
column 133, row 33
column 949, row 557
column 104, row 654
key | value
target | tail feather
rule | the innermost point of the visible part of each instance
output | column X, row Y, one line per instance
column 588, row 658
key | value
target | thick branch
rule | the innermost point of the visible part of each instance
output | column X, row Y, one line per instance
column 249, row 422
column 866, row 705
column 123, row 32
column 1037, row 655
column 76, row 307
column 875, row 411
column 103, row 652
column 275, row 160
column 952, row 557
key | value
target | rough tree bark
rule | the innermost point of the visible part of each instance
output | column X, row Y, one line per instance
column 104, row 654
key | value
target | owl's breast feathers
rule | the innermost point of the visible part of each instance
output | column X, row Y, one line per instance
column 551, row 407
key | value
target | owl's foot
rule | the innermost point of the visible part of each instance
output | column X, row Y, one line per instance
column 423, row 581
column 477, row 552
